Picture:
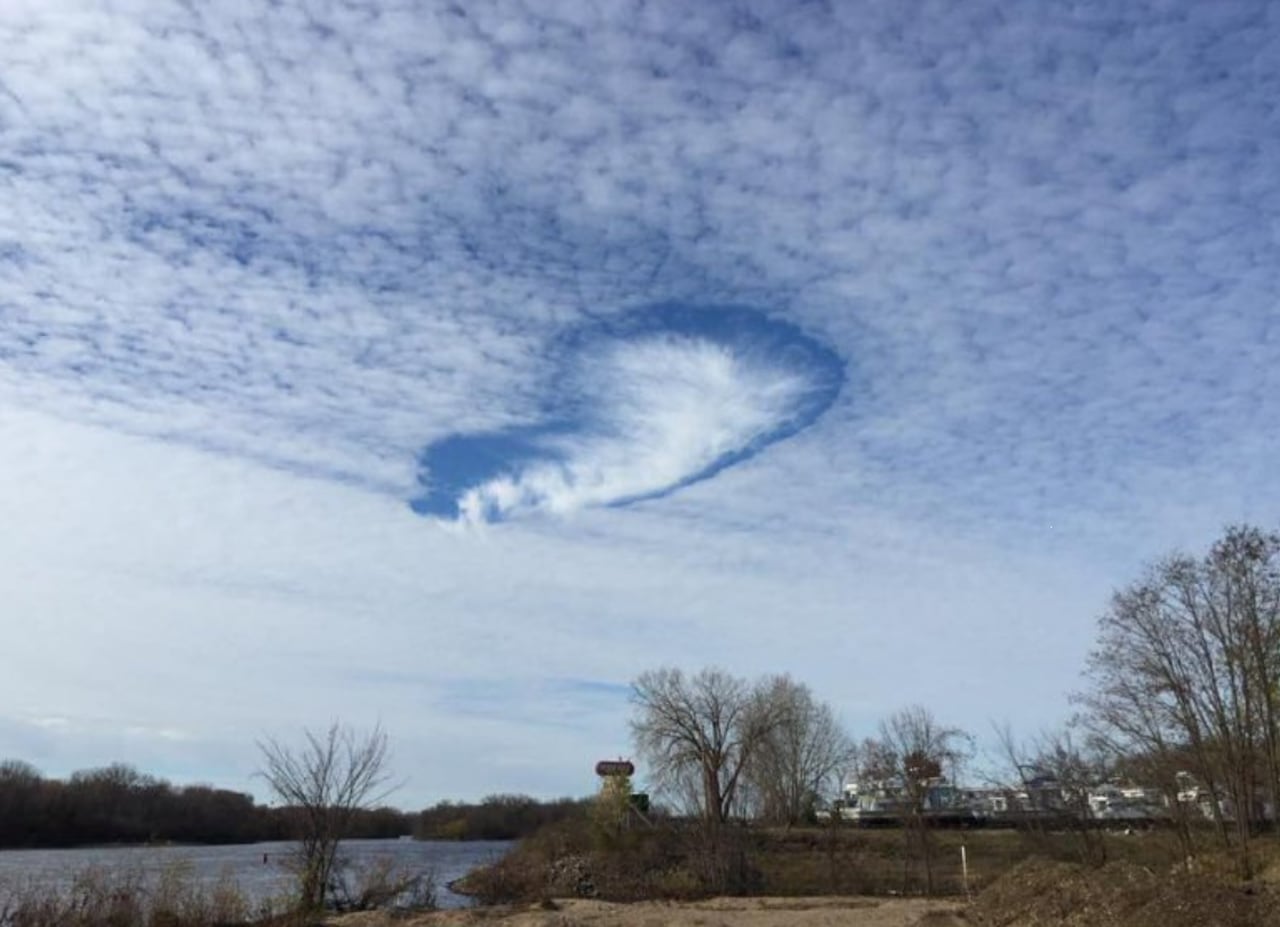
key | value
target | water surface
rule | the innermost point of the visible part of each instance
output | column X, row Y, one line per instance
column 259, row 869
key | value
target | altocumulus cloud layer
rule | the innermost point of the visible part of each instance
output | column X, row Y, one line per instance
column 1003, row 275
column 327, row 237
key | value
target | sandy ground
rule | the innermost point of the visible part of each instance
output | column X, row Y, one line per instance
column 717, row 912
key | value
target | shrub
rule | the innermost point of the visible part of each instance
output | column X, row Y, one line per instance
column 383, row 883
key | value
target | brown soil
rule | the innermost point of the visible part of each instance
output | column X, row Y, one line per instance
column 1042, row 894
column 716, row 912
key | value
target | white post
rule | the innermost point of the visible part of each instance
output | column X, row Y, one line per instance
column 964, row 868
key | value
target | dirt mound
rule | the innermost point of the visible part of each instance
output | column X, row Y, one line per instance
column 1044, row 894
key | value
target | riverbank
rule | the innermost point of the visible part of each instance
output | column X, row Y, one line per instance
column 714, row 912
column 675, row 862
column 1035, row 893
column 660, row 877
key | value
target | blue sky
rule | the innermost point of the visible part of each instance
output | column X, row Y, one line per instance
column 450, row 365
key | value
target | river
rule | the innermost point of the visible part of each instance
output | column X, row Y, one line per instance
column 258, row 869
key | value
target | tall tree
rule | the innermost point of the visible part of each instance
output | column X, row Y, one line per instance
column 1187, row 665
column 699, row 734
column 800, row 757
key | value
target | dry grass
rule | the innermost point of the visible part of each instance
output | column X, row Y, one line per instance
column 99, row 897
column 672, row 863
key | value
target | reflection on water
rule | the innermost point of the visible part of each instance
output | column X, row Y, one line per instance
column 257, row 868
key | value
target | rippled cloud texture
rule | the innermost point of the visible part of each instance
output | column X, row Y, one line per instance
column 451, row 364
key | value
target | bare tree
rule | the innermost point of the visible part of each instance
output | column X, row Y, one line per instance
column 922, row 751
column 1052, row 775
column 699, row 734
column 326, row 783
column 799, row 757
column 873, row 761
column 1188, row 665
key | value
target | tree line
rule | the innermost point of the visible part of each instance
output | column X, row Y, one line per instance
column 119, row 804
column 496, row 817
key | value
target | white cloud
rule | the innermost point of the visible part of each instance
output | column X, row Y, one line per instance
column 660, row 411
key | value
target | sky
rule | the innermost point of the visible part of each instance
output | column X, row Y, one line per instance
column 447, row 365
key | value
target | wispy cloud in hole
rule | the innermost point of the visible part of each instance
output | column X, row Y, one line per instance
column 638, row 408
